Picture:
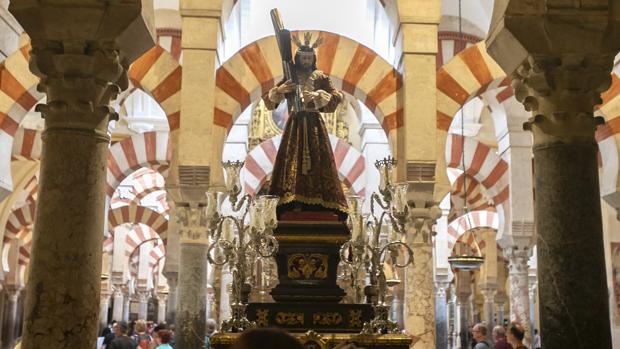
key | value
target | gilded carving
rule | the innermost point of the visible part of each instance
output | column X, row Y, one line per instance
column 355, row 318
column 326, row 319
column 262, row 317
column 307, row 266
column 289, row 319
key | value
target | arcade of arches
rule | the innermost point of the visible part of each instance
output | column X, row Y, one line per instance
column 503, row 114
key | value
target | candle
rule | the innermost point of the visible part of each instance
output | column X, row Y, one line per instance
column 355, row 227
column 399, row 201
column 227, row 231
column 212, row 203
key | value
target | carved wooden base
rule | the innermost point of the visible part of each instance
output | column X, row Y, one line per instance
column 313, row 340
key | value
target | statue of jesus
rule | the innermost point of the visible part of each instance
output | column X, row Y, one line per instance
column 305, row 174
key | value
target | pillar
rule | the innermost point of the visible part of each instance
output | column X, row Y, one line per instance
column 562, row 58
column 117, row 304
column 104, row 305
column 419, row 283
column 142, row 296
column 489, row 306
column 192, row 288
column 162, row 301
column 452, row 317
column 441, row 314
column 171, row 307
column 499, row 309
column 463, row 308
column 532, row 294
column 10, row 316
column 126, row 305
column 518, row 279
column 81, row 53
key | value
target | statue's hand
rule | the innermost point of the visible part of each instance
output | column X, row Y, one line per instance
column 286, row 87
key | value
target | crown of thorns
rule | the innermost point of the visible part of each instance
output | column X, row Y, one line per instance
column 307, row 39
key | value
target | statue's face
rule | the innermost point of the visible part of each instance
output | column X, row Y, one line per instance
column 305, row 61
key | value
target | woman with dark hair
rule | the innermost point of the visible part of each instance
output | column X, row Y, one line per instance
column 267, row 338
column 164, row 338
column 515, row 335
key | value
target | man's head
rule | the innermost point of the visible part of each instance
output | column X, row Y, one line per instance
column 516, row 331
column 480, row 332
column 305, row 57
column 211, row 326
column 499, row 333
column 121, row 328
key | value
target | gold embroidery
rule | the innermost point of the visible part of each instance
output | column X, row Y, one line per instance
column 355, row 318
column 308, row 265
column 326, row 319
column 290, row 319
column 261, row 317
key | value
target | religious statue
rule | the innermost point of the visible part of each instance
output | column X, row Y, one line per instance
column 305, row 175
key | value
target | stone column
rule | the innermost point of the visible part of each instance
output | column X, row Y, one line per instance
column 126, row 305
column 452, row 317
column 562, row 60
column 533, row 302
column 104, row 305
column 462, row 321
column 489, row 306
column 419, row 283
column 10, row 316
column 81, row 53
column 117, row 303
column 142, row 296
column 518, row 279
column 162, row 301
column 171, row 307
column 192, row 288
column 441, row 315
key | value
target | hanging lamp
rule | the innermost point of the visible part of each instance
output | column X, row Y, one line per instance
column 467, row 257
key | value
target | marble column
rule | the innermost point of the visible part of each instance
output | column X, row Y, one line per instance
column 192, row 288
column 10, row 316
column 533, row 303
column 162, row 301
column 452, row 318
column 171, row 307
column 489, row 306
column 518, row 279
column 499, row 312
column 419, row 283
column 142, row 296
column 117, row 304
column 441, row 315
column 126, row 305
column 104, row 305
column 561, row 64
column 81, row 53
column 462, row 321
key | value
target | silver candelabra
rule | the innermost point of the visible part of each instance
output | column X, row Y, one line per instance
column 366, row 249
column 238, row 243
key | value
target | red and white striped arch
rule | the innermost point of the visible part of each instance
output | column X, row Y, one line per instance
column 19, row 219
column 350, row 163
column 477, row 200
column 482, row 163
column 155, row 255
column 471, row 220
column 139, row 214
column 170, row 40
column 137, row 236
column 27, row 144
column 451, row 43
column 149, row 149
column 147, row 182
column 156, row 72
column 108, row 245
column 354, row 68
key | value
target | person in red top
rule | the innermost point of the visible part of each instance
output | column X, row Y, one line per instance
column 499, row 336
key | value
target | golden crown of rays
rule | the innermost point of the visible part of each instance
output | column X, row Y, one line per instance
column 307, row 40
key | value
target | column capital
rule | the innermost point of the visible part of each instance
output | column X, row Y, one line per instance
column 83, row 66
column 192, row 220
column 422, row 220
column 489, row 294
column 561, row 92
column 441, row 288
column 143, row 295
column 13, row 292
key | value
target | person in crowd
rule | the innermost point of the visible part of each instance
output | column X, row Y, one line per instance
column 110, row 336
column 164, row 338
column 267, row 338
column 499, row 336
column 141, row 336
column 211, row 330
column 156, row 338
column 109, row 329
column 537, row 343
column 515, row 335
column 121, row 339
column 480, row 333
